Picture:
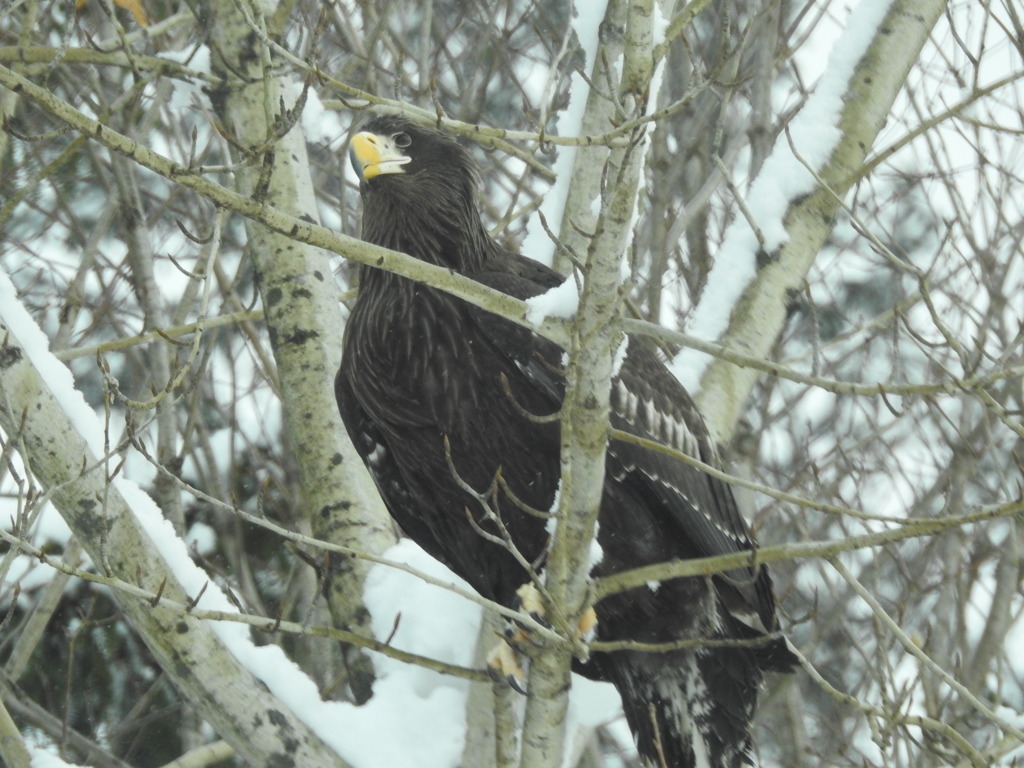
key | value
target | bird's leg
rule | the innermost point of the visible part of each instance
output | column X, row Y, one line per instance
column 504, row 659
column 503, row 664
column 587, row 626
column 528, row 600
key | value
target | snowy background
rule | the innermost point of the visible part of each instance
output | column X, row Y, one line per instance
column 920, row 283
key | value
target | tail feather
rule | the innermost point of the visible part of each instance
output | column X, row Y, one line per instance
column 690, row 709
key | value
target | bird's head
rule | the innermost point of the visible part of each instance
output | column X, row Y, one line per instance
column 419, row 190
column 394, row 152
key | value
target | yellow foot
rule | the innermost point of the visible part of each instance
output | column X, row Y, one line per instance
column 587, row 626
column 503, row 664
column 504, row 660
column 530, row 601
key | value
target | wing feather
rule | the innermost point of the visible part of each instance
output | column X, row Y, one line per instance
column 648, row 401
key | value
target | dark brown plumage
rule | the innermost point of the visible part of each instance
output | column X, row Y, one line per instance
column 420, row 367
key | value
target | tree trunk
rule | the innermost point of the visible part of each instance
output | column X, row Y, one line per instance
column 261, row 110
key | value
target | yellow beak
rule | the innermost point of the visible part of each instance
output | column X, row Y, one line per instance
column 373, row 155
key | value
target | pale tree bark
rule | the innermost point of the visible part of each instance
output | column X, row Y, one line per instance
column 79, row 483
column 758, row 316
column 302, row 312
column 594, row 337
column 12, row 745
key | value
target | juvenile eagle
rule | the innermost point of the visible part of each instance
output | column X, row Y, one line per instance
column 421, row 367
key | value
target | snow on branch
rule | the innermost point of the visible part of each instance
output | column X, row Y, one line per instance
column 783, row 178
column 126, row 535
column 745, row 308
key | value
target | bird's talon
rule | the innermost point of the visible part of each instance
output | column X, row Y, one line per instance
column 517, row 685
column 529, row 600
column 517, row 637
column 587, row 626
column 503, row 664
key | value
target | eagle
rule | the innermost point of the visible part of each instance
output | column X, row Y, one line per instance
column 451, row 409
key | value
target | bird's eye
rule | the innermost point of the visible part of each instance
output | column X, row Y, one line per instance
column 402, row 140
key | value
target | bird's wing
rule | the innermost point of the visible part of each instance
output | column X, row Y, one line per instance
column 537, row 358
column 648, row 401
column 370, row 444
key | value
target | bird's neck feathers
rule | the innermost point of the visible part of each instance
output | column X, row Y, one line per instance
column 440, row 225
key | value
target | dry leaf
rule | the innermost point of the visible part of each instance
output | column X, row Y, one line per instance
column 129, row 5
